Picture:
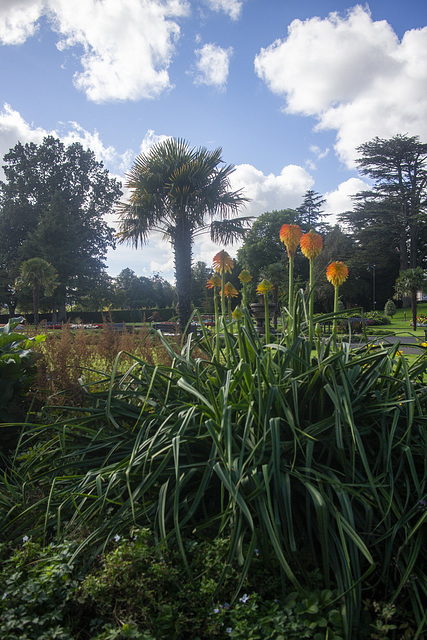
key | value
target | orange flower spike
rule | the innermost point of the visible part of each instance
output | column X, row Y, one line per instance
column 291, row 234
column 230, row 291
column 337, row 273
column 244, row 276
column 215, row 281
column 222, row 262
column 311, row 244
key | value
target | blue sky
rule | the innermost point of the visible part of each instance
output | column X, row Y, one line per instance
column 287, row 88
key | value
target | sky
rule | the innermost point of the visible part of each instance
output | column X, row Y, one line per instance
column 287, row 88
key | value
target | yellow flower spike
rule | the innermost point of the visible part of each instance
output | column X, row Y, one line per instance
column 291, row 234
column 237, row 314
column 230, row 291
column 264, row 287
column 311, row 244
column 337, row 273
column 215, row 281
column 222, row 262
column 244, row 276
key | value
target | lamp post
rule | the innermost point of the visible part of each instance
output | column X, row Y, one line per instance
column 373, row 286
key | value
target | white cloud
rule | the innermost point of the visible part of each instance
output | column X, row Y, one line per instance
column 14, row 128
column 353, row 75
column 231, row 7
column 18, row 19
column 154, row 257
column 340, row 200
column 150, row 139
column 126, row 46
column 212, row 65
column 270, row 192
column 317, row 151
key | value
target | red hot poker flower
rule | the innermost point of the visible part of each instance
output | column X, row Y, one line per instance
column 291, row 234
column 222, row 262
column 337, row 273
column 311, row 244
column 215, row 281
column 230, row 291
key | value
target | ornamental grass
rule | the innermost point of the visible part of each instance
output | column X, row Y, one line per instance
column 308, row 456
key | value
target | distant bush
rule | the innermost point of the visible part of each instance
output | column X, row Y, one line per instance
column 376, row 318
column 390, row 308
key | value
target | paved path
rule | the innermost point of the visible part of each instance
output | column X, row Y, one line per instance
column 408, row 344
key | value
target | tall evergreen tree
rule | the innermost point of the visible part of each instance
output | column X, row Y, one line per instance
column 398, row 167
column 310, row 211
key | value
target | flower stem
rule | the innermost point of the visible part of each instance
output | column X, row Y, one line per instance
column 267, row 319
column 311, row 304
column 291, row 293
column 335, row 311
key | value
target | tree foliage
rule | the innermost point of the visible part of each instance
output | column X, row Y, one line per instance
column 37, row 274
column 310, row 211
column 262, row 252
column 409, row 283
column 136, row 292
column 397, row 204
column 53, row 204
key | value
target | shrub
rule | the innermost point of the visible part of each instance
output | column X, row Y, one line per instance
column 376, row 318
column 17, row 373
column 390, row 308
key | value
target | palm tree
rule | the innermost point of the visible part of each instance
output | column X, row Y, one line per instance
column 37, row 274
column 408, row 283
column 174, row 188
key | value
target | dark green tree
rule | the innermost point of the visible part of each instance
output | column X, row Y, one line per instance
column 137, row 292
column 262, row 251
column 37, row 274
column 53, row 204
column 409, row 283
column 181, row 192
column 310, row 212
column 201, row 297
column 375, row 229
column 338, row 245
column 398, row 167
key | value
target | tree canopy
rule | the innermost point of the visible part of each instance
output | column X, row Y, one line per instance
column 53, row 204
column 397, row 204
column 37, row 274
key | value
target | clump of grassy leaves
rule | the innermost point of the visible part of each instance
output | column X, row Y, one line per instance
column 311, row 455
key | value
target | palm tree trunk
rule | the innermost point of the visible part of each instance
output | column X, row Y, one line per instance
column 183, row 250
column 36, row 298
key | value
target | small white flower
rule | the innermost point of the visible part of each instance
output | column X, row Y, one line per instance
column 244, row 598
column 229, row 630
column 116, row 537
column 4, row 595
column 216, row 610
column 25, row 539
